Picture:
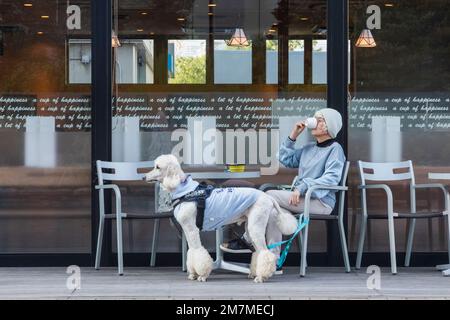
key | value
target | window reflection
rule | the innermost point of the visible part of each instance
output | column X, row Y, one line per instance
column 134, row 61
column 186, row 61
column 296, row 61
column 232, row 65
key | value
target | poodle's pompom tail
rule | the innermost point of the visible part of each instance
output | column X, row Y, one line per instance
column 287, row 223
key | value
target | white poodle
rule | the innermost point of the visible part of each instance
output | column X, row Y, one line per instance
column 256, row 214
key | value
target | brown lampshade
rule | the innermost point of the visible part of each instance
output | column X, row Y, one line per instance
column 366, row 40
column 238, row 39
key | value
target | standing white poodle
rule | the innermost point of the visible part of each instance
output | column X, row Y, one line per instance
column 222, row 206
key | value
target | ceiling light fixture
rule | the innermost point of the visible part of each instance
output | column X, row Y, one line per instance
column 238, row 39
column 366, row 40
column 115, row 43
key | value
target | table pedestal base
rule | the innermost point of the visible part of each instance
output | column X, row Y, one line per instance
column 222, row 264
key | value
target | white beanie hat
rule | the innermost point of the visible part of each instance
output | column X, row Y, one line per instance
column 333, row 120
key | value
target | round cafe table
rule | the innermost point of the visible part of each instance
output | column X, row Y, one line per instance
column 441, row 176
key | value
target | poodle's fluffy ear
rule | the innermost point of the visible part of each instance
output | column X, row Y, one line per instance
column 173, row 174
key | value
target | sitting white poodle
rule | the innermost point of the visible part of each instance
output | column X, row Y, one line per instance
column 221, row 206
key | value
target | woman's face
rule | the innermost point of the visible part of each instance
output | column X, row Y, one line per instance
column 321, row 128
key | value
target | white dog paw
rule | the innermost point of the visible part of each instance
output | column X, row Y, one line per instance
column 202, row 278
column 251, row 276
column 259, row 279
column 192, row 276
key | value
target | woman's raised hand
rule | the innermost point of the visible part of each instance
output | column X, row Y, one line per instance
column 298, row 128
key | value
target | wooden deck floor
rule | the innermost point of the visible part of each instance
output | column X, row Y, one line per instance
column 171, row 283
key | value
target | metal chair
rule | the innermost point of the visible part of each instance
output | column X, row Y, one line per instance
column 123, row 171
column 339, row 217
column 389, row 172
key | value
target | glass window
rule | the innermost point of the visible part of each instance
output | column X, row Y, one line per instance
column 238, row 66
column 232, row 65
column 296, row 61
column 319, row 62
column 271, row 61
column 80, row 60
column 134, row 61
column 186, row 61
column 45, row 128
column 399, row 111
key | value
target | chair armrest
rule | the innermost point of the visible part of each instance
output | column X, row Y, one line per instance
column 435, row 186
column 385, row 187
column 323, row 187
column 116, row 190
column 430, row 186
column 318, row 187
column 109, row 186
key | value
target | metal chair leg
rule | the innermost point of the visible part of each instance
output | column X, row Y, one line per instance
column 183, row 252
column 119, row 245
column 392, row 245
column 344, row 246
column 304, row 250
column 448, row 235
column 156, row 225
column 300, row 244
column 362, row 237
column 98, row 254
column 412, row 224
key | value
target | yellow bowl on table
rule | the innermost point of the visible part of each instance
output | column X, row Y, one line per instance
column 236, row 167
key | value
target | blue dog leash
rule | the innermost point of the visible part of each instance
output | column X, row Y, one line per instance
column 302, row 223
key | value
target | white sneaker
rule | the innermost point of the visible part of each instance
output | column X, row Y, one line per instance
column 237, row 246
column 278, row 272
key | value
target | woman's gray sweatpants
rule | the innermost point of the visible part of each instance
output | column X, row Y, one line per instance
column 273, row 234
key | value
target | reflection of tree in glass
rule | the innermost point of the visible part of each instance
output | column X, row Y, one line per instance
column 294, row 45
column 189, row 70
column 272, row 45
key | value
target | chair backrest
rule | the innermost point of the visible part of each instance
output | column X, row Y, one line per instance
column 344, row 176
column 122, row 171
column 386, row 171
column 343, row 183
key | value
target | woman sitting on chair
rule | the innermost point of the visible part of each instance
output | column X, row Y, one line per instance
column 318, row 163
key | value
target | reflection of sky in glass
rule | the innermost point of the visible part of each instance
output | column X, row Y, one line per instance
column 189, row 48
column 221, row 45
column 320, row 45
